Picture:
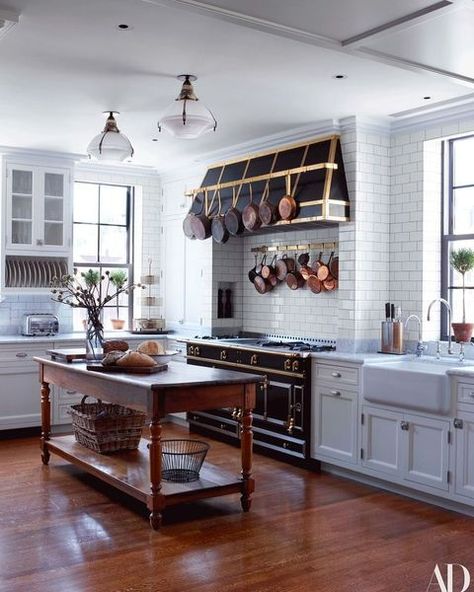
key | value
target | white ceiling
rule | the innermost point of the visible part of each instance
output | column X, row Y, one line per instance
column 66, row 62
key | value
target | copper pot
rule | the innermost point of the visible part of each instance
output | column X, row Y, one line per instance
column 233, row 217
column 294, row 280
column 250, row 215
column 252, row 274
column 268, row 270
column 334, row 267
column 187, row 227
column 262, row 285
column 200, row 223
column 314, row 284
column 283, row 266
column 323, row 271
column 305, row 270
column 317, row 264
column 218, row 228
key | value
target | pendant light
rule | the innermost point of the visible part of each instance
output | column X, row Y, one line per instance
column 187, row 117
column 110, row 144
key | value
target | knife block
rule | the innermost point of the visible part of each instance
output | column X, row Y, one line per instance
column 392, row 337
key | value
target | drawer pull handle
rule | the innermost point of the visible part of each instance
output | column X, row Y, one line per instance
column 71, row 392
column 404, row 425
column 336, row 374
column 222, row 426
column 21, row 355
column 336, row 393
column 471, row 394
column 285, row 444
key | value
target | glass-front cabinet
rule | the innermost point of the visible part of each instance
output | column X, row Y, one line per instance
column 37, row 209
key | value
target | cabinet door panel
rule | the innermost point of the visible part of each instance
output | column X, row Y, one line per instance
column 19, row 400
column 381, row 440
column 464, row 484
column 335, row 425
column 173, row 271
column 426, row 451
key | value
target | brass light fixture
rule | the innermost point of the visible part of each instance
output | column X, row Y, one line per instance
column 110, row 144
column 187, row 117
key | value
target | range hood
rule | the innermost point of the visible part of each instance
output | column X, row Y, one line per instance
column 314, row 170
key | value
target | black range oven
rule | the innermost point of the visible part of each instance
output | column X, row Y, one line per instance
column 282, row 414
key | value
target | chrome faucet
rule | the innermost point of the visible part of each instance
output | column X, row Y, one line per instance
column 448, row 308
column 420, row 348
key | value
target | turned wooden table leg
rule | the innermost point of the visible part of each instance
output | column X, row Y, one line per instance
column 156, row 500
column 45, row 422
column 246, row 450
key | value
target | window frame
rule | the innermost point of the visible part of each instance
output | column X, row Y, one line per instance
column 129, row 226
column 447, row 225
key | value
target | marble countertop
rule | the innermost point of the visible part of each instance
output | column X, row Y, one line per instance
column 78, row 336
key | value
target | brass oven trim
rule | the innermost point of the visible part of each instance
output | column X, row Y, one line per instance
column 248, row 367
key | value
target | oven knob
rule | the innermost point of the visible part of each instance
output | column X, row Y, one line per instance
column 253, row 360
column 223, row 355
column 287, row 364
column 197, row 351
column 191, row 350
column 295, row 366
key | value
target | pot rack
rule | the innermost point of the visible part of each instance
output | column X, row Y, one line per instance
column 329, row 246
column 217, row 187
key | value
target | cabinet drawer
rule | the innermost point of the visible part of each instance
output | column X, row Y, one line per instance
column 290, row 446
column 343, row 375
column 465, row 393
column 215, row 424
column 18, row 359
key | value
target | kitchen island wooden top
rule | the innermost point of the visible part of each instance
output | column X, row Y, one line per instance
column 180, row 388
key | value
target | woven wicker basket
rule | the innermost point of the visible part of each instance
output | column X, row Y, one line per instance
column 105, row 427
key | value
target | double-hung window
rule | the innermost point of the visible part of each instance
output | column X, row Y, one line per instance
column 102, row 239
column 457, row 224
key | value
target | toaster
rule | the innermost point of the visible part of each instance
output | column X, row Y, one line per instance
column 39, row 324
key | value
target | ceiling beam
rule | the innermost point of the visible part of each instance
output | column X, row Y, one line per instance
column 400, row 23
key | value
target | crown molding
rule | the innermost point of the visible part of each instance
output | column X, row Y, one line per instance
column 369, row 125
column 34, row 154
column 450, row 111
column 114, row 170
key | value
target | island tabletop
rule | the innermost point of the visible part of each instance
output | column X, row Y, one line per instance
column 180, row 388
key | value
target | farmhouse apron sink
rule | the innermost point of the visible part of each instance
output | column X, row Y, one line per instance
column 420, row 384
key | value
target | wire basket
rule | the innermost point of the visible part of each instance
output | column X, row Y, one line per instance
column 181, row 460
column 106, row 427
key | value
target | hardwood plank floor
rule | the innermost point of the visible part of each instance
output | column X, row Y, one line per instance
column 63, row 531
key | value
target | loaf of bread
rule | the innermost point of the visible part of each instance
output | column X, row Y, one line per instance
column 152, row 348
column 135, row 359
column 111, row 358
column 115, row 345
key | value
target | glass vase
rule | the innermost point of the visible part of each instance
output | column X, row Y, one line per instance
column 94, row 338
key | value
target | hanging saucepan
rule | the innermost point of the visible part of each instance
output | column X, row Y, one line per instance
column 218, row 228
column 287, row 206
column 187, row 228
column 317, row 264
column 233, row 217
column 252, row 274
column 250, row 216
column 284, row 266
column 334, row 268
column 294, row 280
column 268, row 269
column 262, row 285
column 305, row 269
column 314, row 284
column 268, row 211
column 323, row 271
column 330, row 284
column 200, row 223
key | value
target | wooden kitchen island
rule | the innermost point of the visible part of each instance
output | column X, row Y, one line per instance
column 138, row 472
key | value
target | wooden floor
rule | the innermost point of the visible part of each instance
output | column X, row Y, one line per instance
column 63, row 531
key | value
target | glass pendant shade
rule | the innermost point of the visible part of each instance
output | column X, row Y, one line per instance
column 187, row 117
column 110, row 144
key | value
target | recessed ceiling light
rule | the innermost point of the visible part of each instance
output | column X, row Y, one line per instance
column 124, row 27
column 427, row 98
column 340, row 76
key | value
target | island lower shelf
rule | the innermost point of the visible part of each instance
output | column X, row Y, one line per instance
column 129, row 471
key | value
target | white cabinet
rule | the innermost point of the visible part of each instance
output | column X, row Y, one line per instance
column 184, row 279
column 381, row 434
column 411, row 448
column 425, row 450
column 335, row 424
column 464, row 444
column 173, row 271
column 20, row 390
column 38, row 213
